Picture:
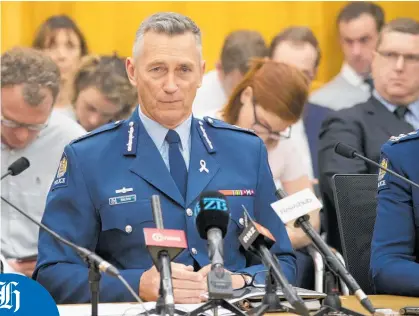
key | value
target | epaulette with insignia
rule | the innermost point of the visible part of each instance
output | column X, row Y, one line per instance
column 404, row 137
column 221, row 124
column 99, row 130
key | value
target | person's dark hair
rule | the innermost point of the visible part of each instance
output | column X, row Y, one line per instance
column 296, row 35
column 355, row 9
column 108, row 75
column 32, row 69
column 45, row 36
column 239, row 47
column 400, row 25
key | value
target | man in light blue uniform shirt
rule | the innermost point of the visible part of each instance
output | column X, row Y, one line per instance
column 100, row 198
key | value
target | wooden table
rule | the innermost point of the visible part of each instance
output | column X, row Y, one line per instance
column 380, row 301
column 350, row 302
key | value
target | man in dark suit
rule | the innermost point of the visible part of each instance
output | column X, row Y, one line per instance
column 393, row 109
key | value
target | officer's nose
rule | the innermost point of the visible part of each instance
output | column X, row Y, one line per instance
column 170, row 85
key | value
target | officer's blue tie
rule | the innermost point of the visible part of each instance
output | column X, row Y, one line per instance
column 176, row 162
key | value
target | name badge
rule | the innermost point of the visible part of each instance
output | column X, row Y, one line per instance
column 122, row 199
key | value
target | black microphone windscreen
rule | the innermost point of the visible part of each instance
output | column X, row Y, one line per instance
column 214, row 212
column 345, row 150
column 18, row 166
column 280, row 194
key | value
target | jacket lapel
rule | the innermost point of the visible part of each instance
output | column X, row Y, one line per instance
column 149, row 164
column 387, row 120
column 202, row 166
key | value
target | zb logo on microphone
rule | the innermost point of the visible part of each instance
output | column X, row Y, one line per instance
column 215, row 204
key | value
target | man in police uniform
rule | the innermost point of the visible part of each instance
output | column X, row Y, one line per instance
column 29, row 86
column 395, row 244
column 100, row 198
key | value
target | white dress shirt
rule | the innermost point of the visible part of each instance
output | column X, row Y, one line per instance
column 210, row 97
column 28, row 190
column 343, row 91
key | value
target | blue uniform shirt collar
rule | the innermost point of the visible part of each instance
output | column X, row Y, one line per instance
column 413, row 107
column 158, row 132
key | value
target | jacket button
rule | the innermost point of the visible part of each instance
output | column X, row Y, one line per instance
column 194, row 251
column 189, row 212
column 128, row 229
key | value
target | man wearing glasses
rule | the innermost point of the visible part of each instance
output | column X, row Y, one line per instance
column 29, row 87
column 393, row 109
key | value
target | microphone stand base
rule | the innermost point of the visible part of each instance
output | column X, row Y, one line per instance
column 163, row 312
column 270, row 302
column 162, row 309
column 268, row 308
column 214, row 303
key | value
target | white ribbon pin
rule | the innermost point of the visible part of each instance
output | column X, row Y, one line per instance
column 203, row 166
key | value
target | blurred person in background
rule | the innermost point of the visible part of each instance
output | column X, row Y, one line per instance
column 359, row 24
column 101, row 92
column 269, row 100
column 393, row 109
column 299, row 47
column 238, row 48
column 30, row 83
column 61, row 39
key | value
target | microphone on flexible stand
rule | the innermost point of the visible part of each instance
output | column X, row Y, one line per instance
column 164, row 245
column 258, row 239
column 95, row 262
column 212, row 223
column 350, row 152
column 297, row 207
column 17, row 167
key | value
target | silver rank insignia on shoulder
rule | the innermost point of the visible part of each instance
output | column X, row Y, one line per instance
column 396, row 138
column 130, row 136
column 205, row 136
column 130, row 147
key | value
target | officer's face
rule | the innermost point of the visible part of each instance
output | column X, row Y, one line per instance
column 167, row 73
column 396, row 67
column 22, row 122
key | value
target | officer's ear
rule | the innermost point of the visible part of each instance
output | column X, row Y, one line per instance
column 247, row 95
column 131, row 72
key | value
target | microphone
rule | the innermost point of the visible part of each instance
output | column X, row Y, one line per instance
column 350, row 152
column 301, row 204
column 212, row 223
column 86, row 254
column 164, row 245
column 259, row 239
column 16, row 167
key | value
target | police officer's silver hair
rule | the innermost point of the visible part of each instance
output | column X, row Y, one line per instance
column 168, row 23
